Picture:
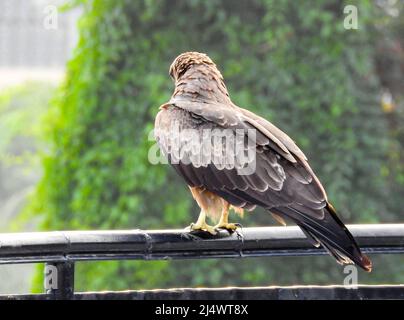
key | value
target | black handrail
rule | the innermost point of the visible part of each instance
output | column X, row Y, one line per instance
column 61, row 246
column 60, row 249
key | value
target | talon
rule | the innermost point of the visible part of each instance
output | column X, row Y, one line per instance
column 231, row 227
column 203, row 227
column 211, row 230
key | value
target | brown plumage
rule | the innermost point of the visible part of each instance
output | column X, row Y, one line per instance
column 282, row 183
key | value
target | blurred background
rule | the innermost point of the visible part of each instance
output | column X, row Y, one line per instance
column 81, row 82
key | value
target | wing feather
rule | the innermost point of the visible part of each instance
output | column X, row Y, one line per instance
column 282, row 181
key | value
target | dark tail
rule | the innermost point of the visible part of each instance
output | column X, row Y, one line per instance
column 329, row 232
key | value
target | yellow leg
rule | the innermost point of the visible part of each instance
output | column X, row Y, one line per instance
column 224, row 219
column 201, row 224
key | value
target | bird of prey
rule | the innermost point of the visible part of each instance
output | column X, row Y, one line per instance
column 281, row 181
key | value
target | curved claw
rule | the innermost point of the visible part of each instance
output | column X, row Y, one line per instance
column 231, row 227
column 203, row 227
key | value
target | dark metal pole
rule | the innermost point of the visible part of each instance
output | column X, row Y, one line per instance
column 59, row 280
column 66, row 246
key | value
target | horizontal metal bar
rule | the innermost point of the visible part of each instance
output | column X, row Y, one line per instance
column 61, row 246
column 249, row 293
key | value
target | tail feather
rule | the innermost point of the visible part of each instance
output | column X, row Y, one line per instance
column 331, row 233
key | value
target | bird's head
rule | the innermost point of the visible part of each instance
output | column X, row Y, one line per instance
column 196, row 75
column 188, row 59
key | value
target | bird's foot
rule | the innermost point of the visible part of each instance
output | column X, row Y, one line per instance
column 203, row 227
column 231, row 227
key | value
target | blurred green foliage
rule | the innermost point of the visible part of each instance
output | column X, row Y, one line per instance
column 21, row 109
column 290, row 61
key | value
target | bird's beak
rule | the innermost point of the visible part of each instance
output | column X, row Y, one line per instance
column 171, row 71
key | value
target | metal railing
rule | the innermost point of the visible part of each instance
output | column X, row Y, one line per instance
column 59, row 250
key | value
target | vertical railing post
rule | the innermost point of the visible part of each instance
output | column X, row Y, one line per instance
column 59, row 280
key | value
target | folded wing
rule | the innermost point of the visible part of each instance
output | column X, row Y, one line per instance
column 281, row 180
